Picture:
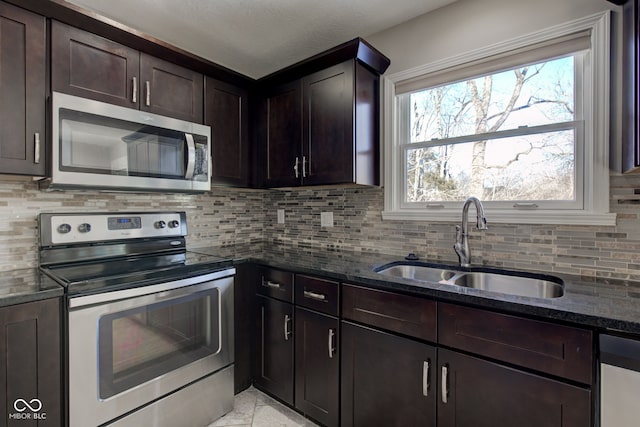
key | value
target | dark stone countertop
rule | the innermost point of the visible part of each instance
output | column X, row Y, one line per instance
column 26, row 285
column 603, row 304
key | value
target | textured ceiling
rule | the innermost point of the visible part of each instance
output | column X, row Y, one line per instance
column 258, row 37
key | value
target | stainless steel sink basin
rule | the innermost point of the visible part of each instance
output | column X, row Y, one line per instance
column 510, row 283
column 418, row 272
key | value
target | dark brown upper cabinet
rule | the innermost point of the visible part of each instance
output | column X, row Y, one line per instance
column 22, row 91
column 90, row 66
column 631, row 97
column 226, row 110
column 322, row 119
column 283, row 134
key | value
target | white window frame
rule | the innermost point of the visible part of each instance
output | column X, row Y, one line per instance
column 594, row 185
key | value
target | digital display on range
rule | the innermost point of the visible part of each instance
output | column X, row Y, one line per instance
column 124, row 223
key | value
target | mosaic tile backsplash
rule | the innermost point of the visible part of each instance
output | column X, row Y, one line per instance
column 228, row 216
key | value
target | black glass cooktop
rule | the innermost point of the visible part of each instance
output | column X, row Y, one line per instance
column 90, row 277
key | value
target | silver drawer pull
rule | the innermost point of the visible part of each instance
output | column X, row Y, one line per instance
column 314, row 295
column 426, row 384
column 295, row 168
column 287, row 332
column 332, row 349
column 445, row 380
column 270, row 284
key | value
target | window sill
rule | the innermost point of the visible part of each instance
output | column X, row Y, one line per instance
column 567, row 217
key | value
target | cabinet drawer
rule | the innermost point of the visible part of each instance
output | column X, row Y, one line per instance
column 555, row 349
column 317, row 294
column 275, row 284
column 405, row 314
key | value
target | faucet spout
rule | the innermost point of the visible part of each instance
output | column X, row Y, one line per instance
column 461, row 245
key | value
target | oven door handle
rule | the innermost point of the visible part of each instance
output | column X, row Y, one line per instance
column 203, row 282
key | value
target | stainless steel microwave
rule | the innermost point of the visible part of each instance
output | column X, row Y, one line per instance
column 108, row 147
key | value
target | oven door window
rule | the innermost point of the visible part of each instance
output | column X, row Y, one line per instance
column 143, row 343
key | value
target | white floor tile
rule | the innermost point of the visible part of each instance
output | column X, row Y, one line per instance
column 252, row 408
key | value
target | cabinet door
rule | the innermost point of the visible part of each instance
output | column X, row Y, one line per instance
column 477, row 393
column 328, row 137
column 171, row 90
column 273, row 355
column 386, row 380
column 227, row 112
column 30, row 361
column 317, row 366
column 22, row 91
column 283, row 129
column 86, row 65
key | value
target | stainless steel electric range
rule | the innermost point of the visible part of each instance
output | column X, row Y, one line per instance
column 149, row 324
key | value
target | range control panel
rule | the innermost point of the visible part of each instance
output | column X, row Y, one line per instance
column 68, row 228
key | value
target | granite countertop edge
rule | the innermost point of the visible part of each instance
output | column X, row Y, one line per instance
column 27, row 285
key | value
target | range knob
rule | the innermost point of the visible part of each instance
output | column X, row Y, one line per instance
column 160, row 224
column 64, row 228
column 84, row 227
column 174, row 224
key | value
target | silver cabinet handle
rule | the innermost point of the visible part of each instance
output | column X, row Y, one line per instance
column 445, row 380
column 331, row 347
column 270, row 284
column 295, row 167
column 36, row 148
column 287, row 332
column 147, row 86
column 314, row 295
column 426, row 384
column 134, row 90
column 304, row 167
column 191, row 156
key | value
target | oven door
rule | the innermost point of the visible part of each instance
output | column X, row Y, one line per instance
column 128, row 348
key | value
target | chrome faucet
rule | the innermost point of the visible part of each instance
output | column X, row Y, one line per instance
column 461, row 246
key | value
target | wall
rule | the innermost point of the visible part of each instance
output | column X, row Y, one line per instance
column 223, row 217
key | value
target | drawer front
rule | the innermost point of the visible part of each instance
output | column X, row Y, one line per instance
column 317, row 294
column 555, row 349
column 404, row 314
column 275, row 283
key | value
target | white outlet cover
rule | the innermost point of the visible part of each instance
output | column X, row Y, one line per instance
column 280, row 216
column 326, row 219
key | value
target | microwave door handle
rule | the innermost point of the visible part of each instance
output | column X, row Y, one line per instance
column 191, row 156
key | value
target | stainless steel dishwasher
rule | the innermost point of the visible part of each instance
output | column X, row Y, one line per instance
column 619, row 381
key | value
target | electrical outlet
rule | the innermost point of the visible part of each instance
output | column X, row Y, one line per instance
column 326, row 219
column 280, row 216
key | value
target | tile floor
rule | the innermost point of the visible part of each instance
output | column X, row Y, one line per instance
column 252, row 408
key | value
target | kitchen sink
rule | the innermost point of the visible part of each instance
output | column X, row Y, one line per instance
column 511, row 283
column 418, row 272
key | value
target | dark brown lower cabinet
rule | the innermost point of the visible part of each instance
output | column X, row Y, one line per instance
column 387, row 380
column 273, row 348
column 317, row 377
column 477, row 393
column 30, row 364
